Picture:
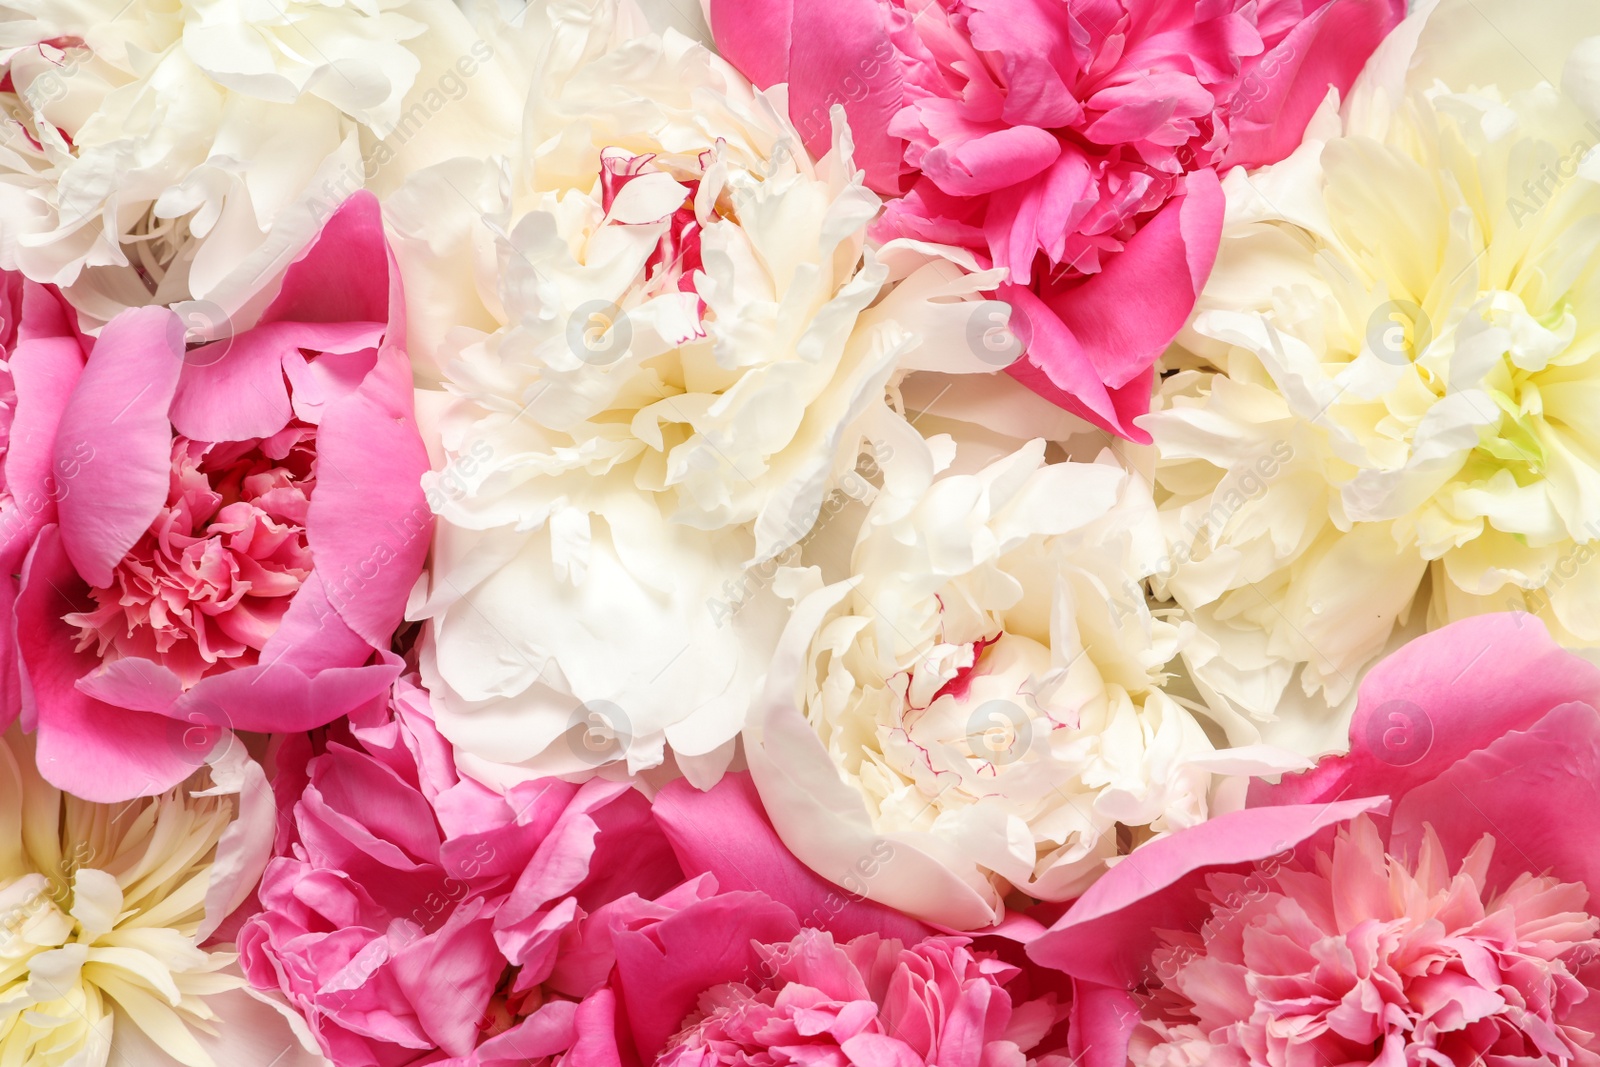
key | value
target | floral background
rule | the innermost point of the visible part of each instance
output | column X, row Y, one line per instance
column 861, row 533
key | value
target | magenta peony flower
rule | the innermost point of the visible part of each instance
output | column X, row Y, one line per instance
column 416, row 917
column 1074, row 142
column 235, row 529
column 1421, row 901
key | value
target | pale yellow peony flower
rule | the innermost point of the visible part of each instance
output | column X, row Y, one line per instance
column 103, row 912
column 1383, row 414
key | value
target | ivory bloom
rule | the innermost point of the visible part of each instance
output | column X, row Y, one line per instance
column 982, row 700
column 105, row 914
column 165, row 152
column 693, row 344
column 1383, row 419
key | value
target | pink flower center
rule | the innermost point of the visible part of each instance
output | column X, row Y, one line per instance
column 208, row 584
column 1368, row 959
column 870, row 1000
column 677, row 255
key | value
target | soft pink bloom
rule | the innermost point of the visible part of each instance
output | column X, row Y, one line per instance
column 869, row 1000
column 756, row 960
column 416, row 917
column 1075, row 142
column 236, row 529
column 1448, row 922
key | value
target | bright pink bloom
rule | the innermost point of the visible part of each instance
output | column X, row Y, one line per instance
column 416, row 917
column 243, row 524
column 1075, row 142
column 1449, row 923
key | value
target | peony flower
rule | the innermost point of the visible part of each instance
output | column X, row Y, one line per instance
column 934, row 1002
column 1076, row 145
column 416, row 917
column 696, row 347
column 758, row 961
column 243, row 527
column 1424, row 899
column 1379, row 419
column 107, row 916
column 985, row 691
column 167, row 152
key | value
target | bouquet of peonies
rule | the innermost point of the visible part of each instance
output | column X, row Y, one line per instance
column 800, row 533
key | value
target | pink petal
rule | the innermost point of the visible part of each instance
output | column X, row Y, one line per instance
column 236, row 390
column 369, row 524
column 663, row 970
column 1108, row 935
column 92, row 749
column 840, row 54
column 992, row 161
column 276, row 697
column 343, row 275
column 45, row 369
column 725, row 832
column 1279, row 91
column 1458, row 688
column 115, row 427
column 1538, row 791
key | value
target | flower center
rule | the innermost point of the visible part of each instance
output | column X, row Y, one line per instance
column 208, row 584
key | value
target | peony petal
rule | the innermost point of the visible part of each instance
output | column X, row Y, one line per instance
column 725, row 832
column 97, row 751
column 1282, row 89
column 115, row 429
column 663, row 969
column 1107, row 937
column 1452, row 691
column 1507, row 789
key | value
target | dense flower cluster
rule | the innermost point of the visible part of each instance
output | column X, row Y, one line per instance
column 854, row 533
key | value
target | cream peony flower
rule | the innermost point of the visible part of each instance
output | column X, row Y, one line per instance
column 982, row 700
column 160, row 151
column 1382, row 417
column 693, row 346
column 103, row 914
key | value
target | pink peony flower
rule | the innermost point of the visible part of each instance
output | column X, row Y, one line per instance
column 1074, row 142
column 869, row 1000
column 416, row 917
column 1371, row 958
column 758, row 961
column 1421, row 901
column 244, row 522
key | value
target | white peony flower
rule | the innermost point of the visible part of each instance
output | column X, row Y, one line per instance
column 1382, row 417
column 979, row 708
column 162, row 151
column 691, row 345
column 105, row 911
